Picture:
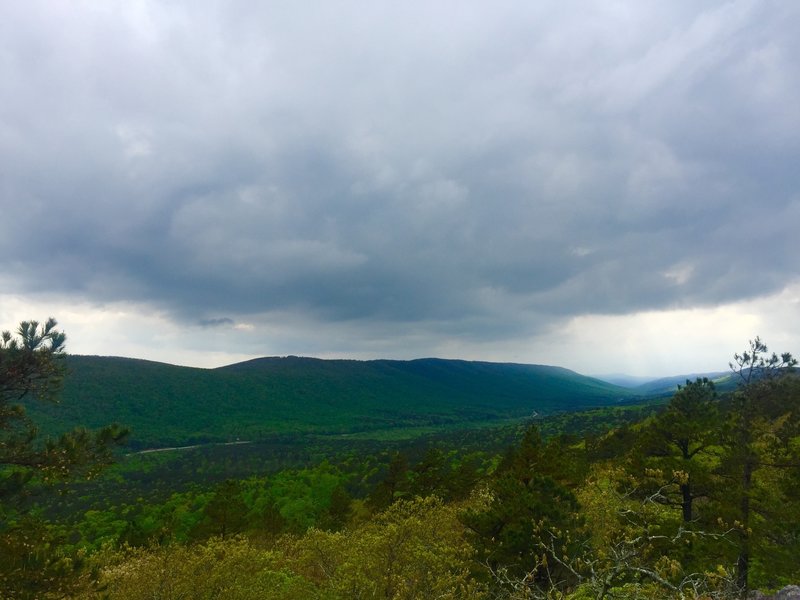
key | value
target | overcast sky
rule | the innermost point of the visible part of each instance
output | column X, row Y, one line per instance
column 608, row 186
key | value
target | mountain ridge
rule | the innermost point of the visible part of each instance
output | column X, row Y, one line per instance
column 174, row 405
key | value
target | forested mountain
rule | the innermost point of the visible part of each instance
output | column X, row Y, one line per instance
column 668, row 385
column 169, row 405
column 693, row 498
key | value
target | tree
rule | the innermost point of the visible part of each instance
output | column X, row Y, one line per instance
column 530, row 519
column 32, row 369
column 413, row 550
column 762, row 412
column 429, row 476
column 675, row 444
column 233, row 569
column 225, row 514
column 394, row 485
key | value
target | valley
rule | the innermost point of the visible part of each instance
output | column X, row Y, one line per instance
column 166, row 405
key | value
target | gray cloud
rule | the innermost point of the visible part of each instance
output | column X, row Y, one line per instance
column 477, row 171
column 216, row 322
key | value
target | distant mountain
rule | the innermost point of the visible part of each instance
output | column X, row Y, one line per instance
column 169, row 405
column 669, row 385
column 623, row 380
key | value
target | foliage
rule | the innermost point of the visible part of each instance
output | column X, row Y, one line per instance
column 166, row 405
column 231, row 569
column 677, row 448
column 763, row 418
column 528, row 518
column 36, row 560
column 32, row 559
column 31, row 366
column 692, row 498
column 414, row 550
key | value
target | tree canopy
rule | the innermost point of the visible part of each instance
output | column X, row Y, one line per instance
column 695, row 497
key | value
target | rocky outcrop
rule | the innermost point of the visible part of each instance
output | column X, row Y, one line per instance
column 790, row 592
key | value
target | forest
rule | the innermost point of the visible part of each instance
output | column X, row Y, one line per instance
column 165, row 405
column 690, row 496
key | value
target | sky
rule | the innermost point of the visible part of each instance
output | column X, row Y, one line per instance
column 609, row 186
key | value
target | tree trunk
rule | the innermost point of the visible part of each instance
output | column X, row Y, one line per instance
column 686, row 503
column 743, row 562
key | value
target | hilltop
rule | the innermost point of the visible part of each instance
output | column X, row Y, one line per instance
column 165, row 404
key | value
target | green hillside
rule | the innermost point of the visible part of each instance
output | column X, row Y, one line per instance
column 666, row 386
column 170, row 405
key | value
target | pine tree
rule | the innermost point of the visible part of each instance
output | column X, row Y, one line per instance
column 676, row 445
column 762, row 419
column 32, row 369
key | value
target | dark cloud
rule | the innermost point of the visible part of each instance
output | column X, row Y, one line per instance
column 218, row 322
column 480, row 172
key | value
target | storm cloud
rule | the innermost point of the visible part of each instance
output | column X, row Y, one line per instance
column 477, row 171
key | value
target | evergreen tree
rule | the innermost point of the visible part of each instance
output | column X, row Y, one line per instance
column 32, row 369
column 429, row 476
column 394, row 485
column 676, row 444
column 225, row 514
column 762, row 420
column 530, row 522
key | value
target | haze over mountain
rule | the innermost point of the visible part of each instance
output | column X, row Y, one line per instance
column 723, row 381
column 623, row 379
column 654, row 384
